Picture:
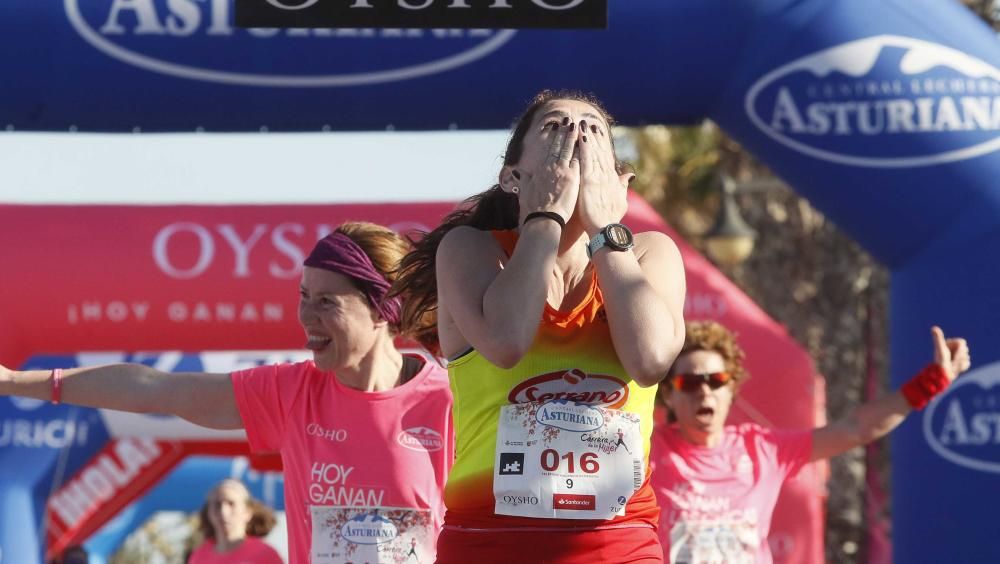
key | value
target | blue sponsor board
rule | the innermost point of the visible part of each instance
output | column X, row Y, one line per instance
column 844, row 103
column 566, row 14
column 183, row 64
column 963, row 425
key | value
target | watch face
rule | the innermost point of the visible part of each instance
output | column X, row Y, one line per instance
column 619, row 236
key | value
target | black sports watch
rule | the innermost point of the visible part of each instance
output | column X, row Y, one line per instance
column 615, row 236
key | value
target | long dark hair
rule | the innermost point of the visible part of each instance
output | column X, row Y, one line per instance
column 491, row 210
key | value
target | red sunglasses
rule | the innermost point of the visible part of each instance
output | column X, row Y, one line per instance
column 693, row 382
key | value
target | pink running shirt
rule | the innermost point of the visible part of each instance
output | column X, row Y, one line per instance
column 716, row 503
column 364, row 471
column 251, row 551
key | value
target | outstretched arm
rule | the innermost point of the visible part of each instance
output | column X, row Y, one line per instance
column 201, row 398
column 877, row 418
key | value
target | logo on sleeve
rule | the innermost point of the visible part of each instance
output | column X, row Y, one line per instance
column 511, row 463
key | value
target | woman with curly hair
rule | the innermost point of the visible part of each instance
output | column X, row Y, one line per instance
column 717, row 484
column 232, row 522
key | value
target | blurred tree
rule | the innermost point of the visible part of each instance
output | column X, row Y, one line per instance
column 987, row 10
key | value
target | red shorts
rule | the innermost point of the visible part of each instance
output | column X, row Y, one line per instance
column 631, row 544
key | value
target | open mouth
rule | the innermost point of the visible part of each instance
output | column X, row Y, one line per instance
column 317, row 342
column 705, row 414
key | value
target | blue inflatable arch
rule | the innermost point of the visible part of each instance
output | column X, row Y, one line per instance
column 885, row 115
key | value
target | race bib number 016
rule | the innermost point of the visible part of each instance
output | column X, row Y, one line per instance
column 566, row 460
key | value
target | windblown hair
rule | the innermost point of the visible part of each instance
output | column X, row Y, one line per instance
column 491, row 210
column 713, row 337
column 386, row 249
column 260, row 524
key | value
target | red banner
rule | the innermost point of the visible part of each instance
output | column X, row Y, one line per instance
column 199, row 278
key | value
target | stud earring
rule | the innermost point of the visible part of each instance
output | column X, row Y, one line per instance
column 514, row 190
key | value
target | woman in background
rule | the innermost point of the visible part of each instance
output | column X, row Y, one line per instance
column 717, row 484
column 232, row 523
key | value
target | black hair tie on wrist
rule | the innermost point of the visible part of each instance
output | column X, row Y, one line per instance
column 547, row 214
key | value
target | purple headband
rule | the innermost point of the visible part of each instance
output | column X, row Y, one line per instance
column 339, row 253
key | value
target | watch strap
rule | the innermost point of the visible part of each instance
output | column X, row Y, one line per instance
column 598, row 241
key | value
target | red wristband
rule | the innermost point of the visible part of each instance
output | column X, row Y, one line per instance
column 56, row 385
column 922, row 388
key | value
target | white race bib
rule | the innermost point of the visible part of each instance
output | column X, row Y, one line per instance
column 714, row 541
column 366, row 534
column 566, row 460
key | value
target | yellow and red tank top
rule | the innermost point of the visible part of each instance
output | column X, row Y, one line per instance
column 572, row 358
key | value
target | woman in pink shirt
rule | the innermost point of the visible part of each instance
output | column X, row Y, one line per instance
column 231, row 522
column 717, row 484
column 364, row 431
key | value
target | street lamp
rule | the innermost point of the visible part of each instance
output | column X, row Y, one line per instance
column 730, row 240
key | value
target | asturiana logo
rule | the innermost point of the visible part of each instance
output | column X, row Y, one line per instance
column 884, row 101
column 573, row 385
column 420, row 439
column 963, row 424
column 196, row 40
column 369, row 528
column 570, row 416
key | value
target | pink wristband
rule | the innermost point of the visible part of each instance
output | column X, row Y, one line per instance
column 56, row 385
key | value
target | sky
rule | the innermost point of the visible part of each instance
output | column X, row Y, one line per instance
column 205, row 168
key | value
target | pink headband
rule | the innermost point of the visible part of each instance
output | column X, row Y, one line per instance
column 339, row 253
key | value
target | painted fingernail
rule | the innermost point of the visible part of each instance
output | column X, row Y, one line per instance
column 516, row 174
column 584, row 138
column 593, row 128
column 583, row 124
column 572, row 127
column 565, row 120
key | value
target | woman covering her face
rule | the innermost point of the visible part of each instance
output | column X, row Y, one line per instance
column 553, row 316
column 717, row 484
column 364, row 431
column 232, row 522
